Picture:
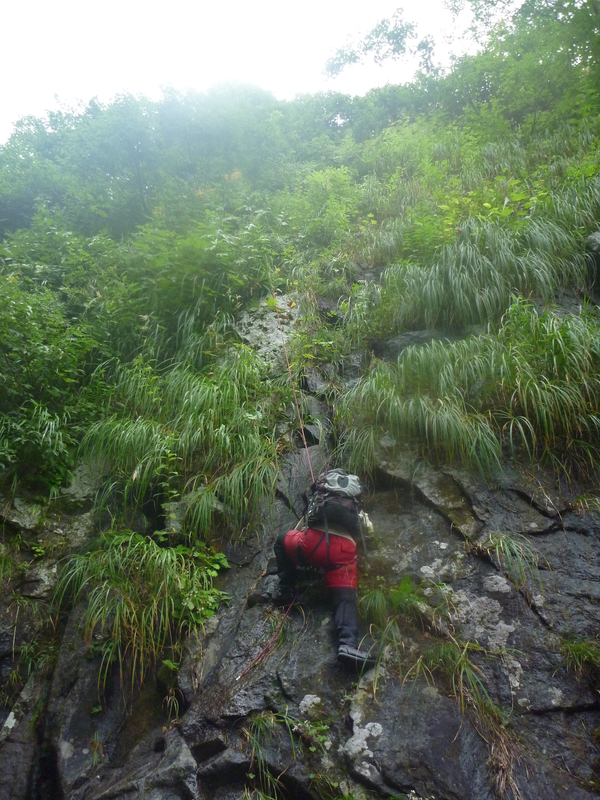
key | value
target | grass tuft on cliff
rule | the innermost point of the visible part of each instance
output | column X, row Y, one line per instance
column 141, row 597
column 205, row 436
column 532, row 387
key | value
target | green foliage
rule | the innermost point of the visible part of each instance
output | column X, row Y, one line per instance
column 473, row 279
column 37, row 656
column 259, row 737
column 459, row 664
column 141, row 597
column 312, row 734
column 388, row 39
column 135, row 231
column 42, row 361
column 7, row 568
column 454, row 660
column 96, row 748
column 384, row 603
column 515, row 555
column 206, row 436
column 171, row 703
column 532, row 386
column 581, row 655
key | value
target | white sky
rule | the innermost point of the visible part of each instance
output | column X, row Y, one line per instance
column 68, row 51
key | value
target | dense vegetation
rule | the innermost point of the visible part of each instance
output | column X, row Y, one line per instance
column 133, row 233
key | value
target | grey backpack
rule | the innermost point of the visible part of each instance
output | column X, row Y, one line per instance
column 336, row 499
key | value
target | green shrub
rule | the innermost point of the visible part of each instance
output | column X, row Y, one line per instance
column 532, row 386
column 205, row 435
column 141, row 597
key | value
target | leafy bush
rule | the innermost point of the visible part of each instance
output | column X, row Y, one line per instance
column 141, row 597
column 42, row 365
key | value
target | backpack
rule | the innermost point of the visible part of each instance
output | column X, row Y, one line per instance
column 336, row 499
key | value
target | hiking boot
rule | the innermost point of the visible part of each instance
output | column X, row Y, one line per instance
column 354, row 657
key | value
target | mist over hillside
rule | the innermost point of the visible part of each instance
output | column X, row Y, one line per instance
column 427, row 248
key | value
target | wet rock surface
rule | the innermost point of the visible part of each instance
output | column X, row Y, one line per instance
column 261, row 694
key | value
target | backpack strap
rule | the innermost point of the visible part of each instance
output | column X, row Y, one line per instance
column 360, row 527
column 326, row 532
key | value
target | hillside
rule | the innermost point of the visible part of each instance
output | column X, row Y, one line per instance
column 424, row 257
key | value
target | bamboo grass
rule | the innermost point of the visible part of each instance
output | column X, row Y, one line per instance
column 533, row 386
column 206, row 435
column 141, row 597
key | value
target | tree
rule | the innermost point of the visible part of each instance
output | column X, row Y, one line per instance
column 388, row 39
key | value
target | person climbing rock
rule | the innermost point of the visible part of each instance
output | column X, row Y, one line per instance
column 327, row 541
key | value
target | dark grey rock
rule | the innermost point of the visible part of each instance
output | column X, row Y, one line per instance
column 414, row 738
column 40, row 580
column 21, row 515
column 230, row 765
column 435, row 487
column 562, row 753
column 208, row 742
column 570, row 561
column 149, row 774
column 248, row 562
column 18, row 746
column 87, row 478
column 592, row 246
column 16, row 765
column 391, row 348
column 74, row 729
column 295, row 477
column 175, row 515
column 230, row 791
column 6, row 643
column 266, row 330
column 389, row 737
column 315, row 383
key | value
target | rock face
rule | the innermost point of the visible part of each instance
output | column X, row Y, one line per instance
column 265, row 327
column 312, row 729
column 264, row 703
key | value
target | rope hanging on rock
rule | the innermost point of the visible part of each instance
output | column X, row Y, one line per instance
column 268, row 644
column 287, row 361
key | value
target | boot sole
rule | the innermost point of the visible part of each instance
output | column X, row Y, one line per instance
column 359, row 663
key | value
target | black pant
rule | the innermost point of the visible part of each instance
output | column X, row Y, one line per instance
column 285, row 568
column 346, row 615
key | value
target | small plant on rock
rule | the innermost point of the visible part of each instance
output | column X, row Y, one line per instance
column 581, row 656
column 515, row 555
column 141, row 597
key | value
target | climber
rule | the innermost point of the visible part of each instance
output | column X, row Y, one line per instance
column 327, row 540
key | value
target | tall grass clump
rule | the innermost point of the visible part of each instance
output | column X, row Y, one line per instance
column 385, row 603
column 454, row 659
column 515, row 555
column 207, row 436
column 532, row 387
column 581, row 655
column 389, row 608
column 473, row 279
column 142, row 597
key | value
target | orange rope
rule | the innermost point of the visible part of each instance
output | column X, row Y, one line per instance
column 293, row 389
